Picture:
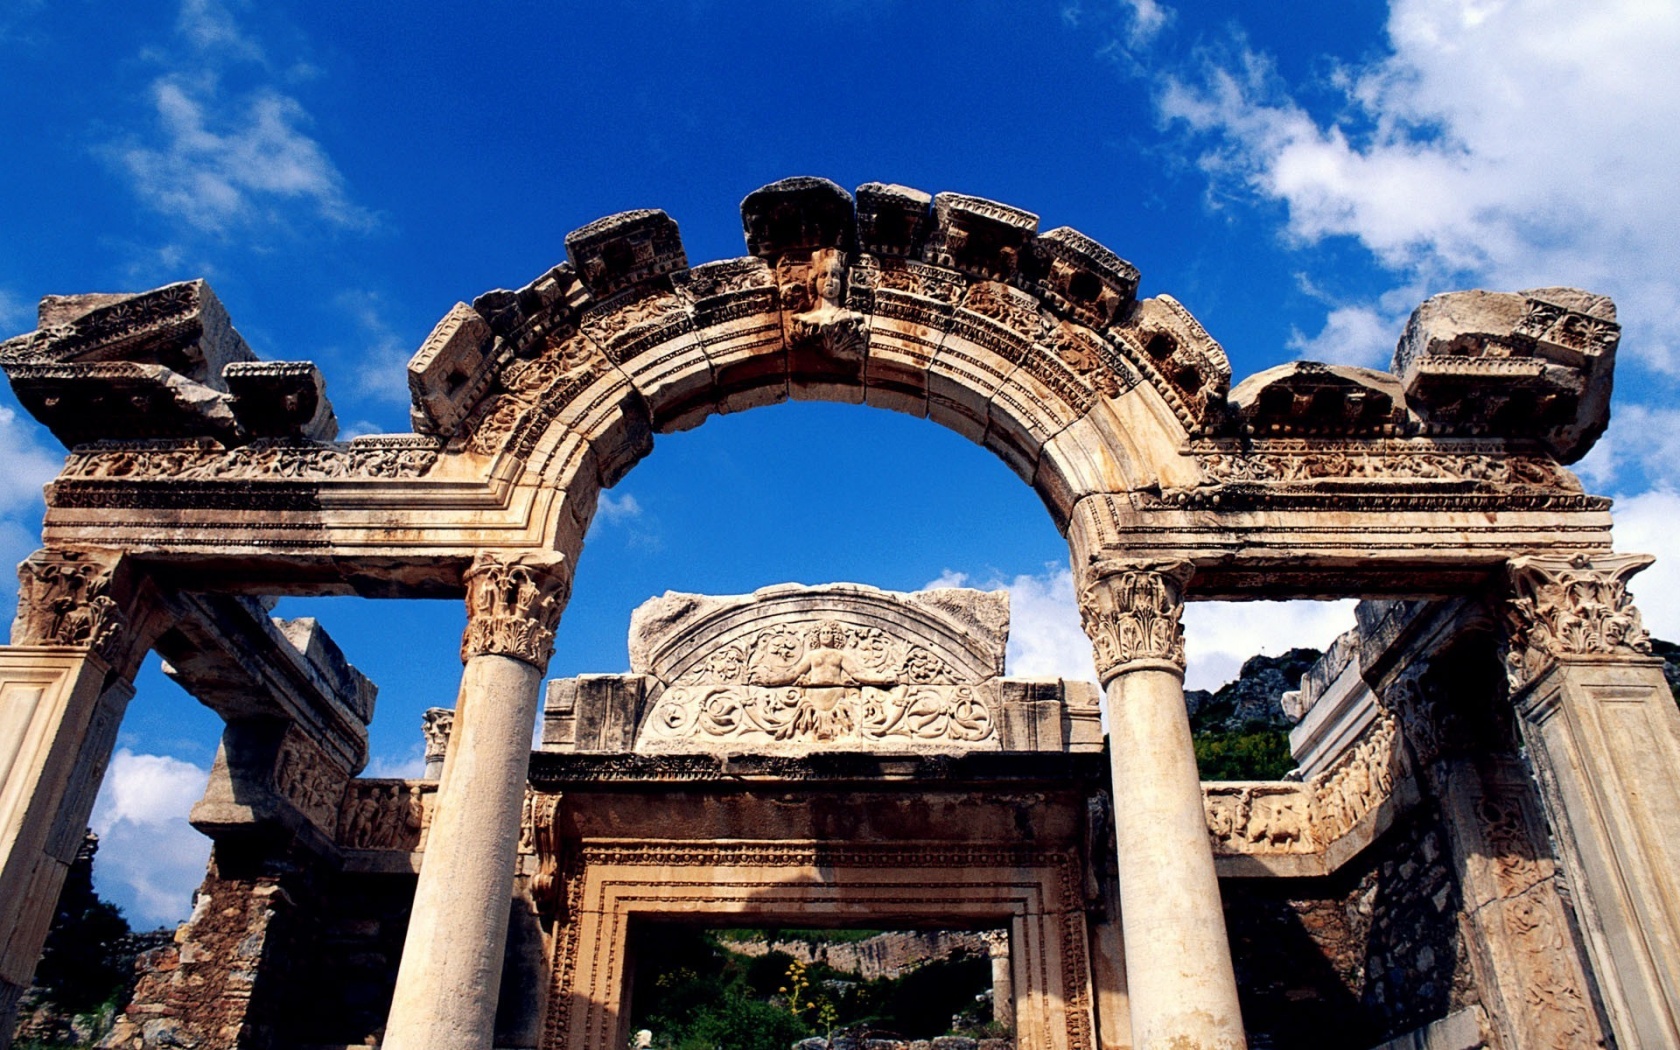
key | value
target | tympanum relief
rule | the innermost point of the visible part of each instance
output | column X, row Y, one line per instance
column 825, row 683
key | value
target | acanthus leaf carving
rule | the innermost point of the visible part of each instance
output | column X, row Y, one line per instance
column 63, row 599
column 1571, row 606
column 1132, row 614
column 436, row 725
column 514, row 605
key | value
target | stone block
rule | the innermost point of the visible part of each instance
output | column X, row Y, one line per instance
column 892, row 220
column 122, row 401
column 801, row 214
column 1535, row 363
column 621, row 251
column 450, row 373
column 281, row 399
column 979, row 237
column 183, row 327
column 1080, row 278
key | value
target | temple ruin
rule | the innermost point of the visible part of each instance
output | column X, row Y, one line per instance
column 1478, row 848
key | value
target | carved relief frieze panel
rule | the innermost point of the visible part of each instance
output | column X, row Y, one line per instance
column 828, row 683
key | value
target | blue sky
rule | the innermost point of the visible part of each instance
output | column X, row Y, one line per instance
column 1300, row 175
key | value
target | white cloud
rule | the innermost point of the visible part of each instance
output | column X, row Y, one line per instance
column 1045, row 637
column 616, row 510
column 1641, row 438
column 210, row 26
column 1645, row 525
column 150, row 859
column 219, row 162
column 407, row 766
column 1511, row 143
column 1219, row 636
column 29, row 464
column 1352, row 335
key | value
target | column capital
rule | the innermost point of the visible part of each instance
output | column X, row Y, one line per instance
column 1131, row 612
column 1564, row 606
column 514, row 604
column 65, row 597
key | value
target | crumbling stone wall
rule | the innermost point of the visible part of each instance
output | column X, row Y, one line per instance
column 1356, row 958
column 222, row 982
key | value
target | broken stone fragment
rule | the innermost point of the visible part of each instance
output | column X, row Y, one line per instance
column 624, row 250
column 122, row 401
column 450, row 372
column 281, row 399
column 182, row 327
column 801, row 214
column 1513, row 364
column 980, row 237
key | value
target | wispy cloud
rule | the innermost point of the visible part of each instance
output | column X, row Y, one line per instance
column 16, row 315
column 616, row 510
column 150, row 859
column 380, row 356
column 221, row 156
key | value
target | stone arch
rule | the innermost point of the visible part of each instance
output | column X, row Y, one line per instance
column 951, row 308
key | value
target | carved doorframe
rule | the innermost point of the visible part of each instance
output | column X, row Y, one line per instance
column 606, row 884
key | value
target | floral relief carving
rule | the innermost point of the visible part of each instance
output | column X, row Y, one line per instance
column 62, row 600
column 394, row 456
column 1131, row 614
column 514, row 605
column 826, row 683
column 1576, row 606
column 1393, row 461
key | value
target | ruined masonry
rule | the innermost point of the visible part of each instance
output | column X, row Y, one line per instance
column 1478, row 851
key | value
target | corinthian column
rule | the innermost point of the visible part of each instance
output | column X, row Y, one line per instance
column 1178, row 961
column 452, row 959
column 1603, row 733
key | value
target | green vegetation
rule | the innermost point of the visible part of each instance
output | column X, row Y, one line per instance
column 693, row 993
column 1240, row 732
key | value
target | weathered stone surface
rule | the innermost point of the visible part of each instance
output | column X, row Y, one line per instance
column 624, row 250
column 281, row 399
column 1535, row 363
column 451, row 371
column 801, row 214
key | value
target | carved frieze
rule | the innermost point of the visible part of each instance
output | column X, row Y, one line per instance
column 827, row 683
column 1301, row 818
column 514, row 604
column 63, row 599
column 1570, row 607
column 384, row 815
column 1383, row 460
column 390, row 456
column 306, row 778
column 1131, row 614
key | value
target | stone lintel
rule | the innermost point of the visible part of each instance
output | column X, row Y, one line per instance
column 234, row 658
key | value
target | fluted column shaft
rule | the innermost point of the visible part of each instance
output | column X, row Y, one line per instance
column 1183, row 992
column 451, row 967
